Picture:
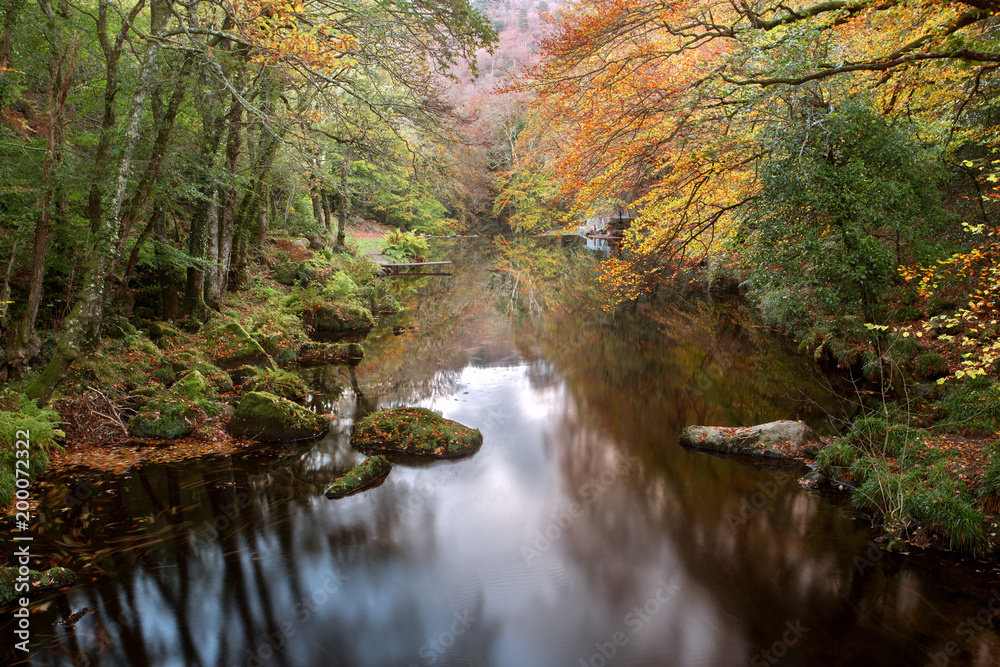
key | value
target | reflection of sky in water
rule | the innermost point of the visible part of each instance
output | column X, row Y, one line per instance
column 543, row 549
column 393, row 572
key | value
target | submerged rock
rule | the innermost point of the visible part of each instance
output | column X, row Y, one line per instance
column 268, row 418
column 370, row 472
column 233, row 347
column 55, row 577
column 787, row 439
column 415, row 431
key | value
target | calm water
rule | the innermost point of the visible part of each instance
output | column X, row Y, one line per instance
column 581, row 533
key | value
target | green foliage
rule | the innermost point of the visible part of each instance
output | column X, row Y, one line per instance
column 17, row 416
column 875, row 434
column 842, row 194
column 971, row 406
column 839, row 455
column 405, row 247
column 930, row 365
column 989, row 482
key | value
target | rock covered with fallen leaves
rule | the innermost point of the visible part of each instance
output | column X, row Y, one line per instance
column 784, row 438
column 370, row 472
column 232, row 347
column 268, row 418
column 415, row 431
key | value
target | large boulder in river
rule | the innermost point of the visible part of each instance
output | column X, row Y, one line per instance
column 232, row 346
column 268, row 418
column 416, row 431
column 780, row 439
column 340, row 316
column 370, row 472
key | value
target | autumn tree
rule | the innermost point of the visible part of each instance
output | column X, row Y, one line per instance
column 668, row 107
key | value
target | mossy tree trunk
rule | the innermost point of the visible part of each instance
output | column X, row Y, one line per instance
column 342, row 213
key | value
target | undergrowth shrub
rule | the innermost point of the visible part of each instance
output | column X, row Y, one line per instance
column 971, row 407
column 405, row 246
column 19, row 415
column 989, row 482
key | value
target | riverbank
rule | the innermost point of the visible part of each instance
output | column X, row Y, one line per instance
column 922, row 454
column 165, row 390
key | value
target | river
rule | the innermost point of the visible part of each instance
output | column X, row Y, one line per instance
column 581, row 534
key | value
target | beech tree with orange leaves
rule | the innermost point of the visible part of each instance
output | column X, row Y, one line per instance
column 668, row 107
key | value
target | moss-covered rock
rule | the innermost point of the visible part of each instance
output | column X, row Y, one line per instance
column 275, row 381
column 175, row 412
column 367, row 474
column 165, row 418
column 193, row 386
column 340, row 316
column 55, row 577
column 232, row 346
column 268, row 418
column 162, row 333
column 313, row 351
column 118, row 328
column 416, row 431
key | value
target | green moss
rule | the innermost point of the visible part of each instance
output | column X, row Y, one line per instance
column 342, row 316
column 193, row 386
column 279, row 331
column 363, row 476
column 415, row 431
column 267, row 418
column 277, row 382
column 163, row 334
column 175, row 413
column 55, row 577
column 165, row 418
column 330, row 351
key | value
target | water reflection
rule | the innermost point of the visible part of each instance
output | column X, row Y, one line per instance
column 580, row 534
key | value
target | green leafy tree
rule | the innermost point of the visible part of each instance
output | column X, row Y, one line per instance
column 845, row 198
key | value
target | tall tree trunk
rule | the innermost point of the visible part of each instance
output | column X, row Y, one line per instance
column 317, row 208
column 27, row 344
column 87, row 308
column 112, row 57
column 9, row 19
column 169, row 304
column 230, row 198
column 327, row 213
column 194, row 290
column 342, row 213
column 212, row 285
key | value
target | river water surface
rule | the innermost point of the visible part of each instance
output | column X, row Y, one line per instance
column 580, row 534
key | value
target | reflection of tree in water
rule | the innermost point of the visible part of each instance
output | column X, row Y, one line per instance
column 761, row 550
column 198, row 565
